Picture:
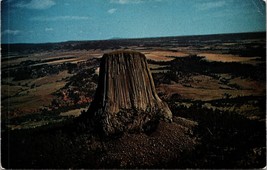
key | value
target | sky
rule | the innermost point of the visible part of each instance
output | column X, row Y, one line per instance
column 42, row 21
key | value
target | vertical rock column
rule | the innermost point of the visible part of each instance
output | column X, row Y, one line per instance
column 126, row 98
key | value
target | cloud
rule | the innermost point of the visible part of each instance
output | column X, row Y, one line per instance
column 10, row 32
column 122, row 2
column 211, row 5
column 49, row 29
column 9, row 1
column 36, row 4
column 126, row 1
column 111, row 11
column 60, row 18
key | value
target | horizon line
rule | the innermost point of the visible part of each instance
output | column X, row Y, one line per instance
column 122, row 38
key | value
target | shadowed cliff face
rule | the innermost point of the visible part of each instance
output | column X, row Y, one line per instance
column 126, row 99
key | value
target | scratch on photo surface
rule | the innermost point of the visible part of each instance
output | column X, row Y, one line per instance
column 260, row 7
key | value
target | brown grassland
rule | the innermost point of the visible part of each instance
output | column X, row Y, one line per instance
column 214, row 86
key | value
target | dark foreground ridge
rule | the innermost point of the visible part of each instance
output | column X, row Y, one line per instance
column 126, row 98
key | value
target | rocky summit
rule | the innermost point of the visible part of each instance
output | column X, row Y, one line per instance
column 126, row 99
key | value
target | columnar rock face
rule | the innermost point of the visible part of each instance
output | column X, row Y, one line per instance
column 126, row 99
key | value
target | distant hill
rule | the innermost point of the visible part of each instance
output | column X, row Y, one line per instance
column 118, row 42
column 116, row 38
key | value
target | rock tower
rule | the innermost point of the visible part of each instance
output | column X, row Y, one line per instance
column 126, row 98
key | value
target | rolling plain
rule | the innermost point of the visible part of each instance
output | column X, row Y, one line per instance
column 216, row 82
